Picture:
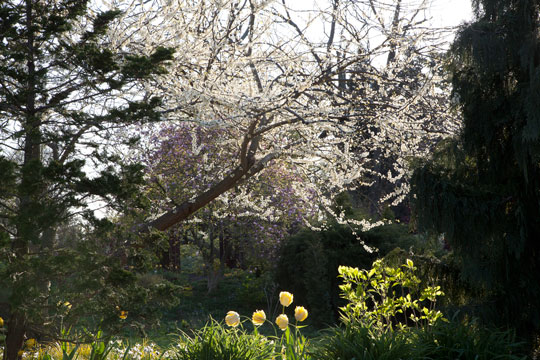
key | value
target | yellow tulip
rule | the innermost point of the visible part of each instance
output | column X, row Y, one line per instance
column 285, row 298
column 300, row 313
column 1, row 322
column 282, row 321
column 30, row 343
column 258, row 317
column 232, row 318
column 123, row 314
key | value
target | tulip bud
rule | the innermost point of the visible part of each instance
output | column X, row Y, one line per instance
column 300, row 313
column 282, row 321
column 259, row 317
column 285, row 298
column 232, row 318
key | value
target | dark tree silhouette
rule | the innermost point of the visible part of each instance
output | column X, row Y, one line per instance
column 483, row 189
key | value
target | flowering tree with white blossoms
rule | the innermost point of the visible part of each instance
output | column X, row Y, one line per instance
column 331, row 91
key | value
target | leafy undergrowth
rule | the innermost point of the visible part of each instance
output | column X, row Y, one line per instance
column 372, row 328
column 454, row 340
column 238, row 289
column 217, row 341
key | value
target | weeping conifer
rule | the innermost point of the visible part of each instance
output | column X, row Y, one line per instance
column 483, row 190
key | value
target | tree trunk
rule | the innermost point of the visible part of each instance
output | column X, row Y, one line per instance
column 215, row 266
column 182, row 211
column 395, row 30
column 27, row 230
column 15, row 336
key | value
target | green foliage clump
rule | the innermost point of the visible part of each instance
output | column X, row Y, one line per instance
column 377, row 297
column 452, row 340
column 352, row 342
column 308, row 267
column 214, row 342
column 465, row 340
column 435, row 265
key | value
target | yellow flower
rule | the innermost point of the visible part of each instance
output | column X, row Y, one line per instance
column 20, row 353
column 282, row 321
column 232, row 318
column 30, row 343
column 123, row 314
column 67, row 305
column 258, row 317
column 1, row 322
column 300, row 313
column 285, row 298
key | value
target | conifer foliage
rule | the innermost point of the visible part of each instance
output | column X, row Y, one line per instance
column 483, row 190
column 63, row 92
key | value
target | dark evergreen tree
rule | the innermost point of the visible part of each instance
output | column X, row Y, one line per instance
column 63, row 91
column 483, row 190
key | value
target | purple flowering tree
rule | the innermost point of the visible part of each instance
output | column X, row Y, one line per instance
column 239, row 228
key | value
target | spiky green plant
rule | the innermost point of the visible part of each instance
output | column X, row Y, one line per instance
column 214, row 342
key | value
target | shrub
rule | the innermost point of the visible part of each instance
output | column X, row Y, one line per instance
column 214, row 342
column 376, row 297
column 466, row 340
column 357, row 342
column 384, row 297
column 309, row 261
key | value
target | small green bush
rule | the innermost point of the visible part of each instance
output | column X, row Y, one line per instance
column 360, row 343
column 308, row 266
column 452, row 340
column 465, row 340
column 384, row 298
column 214, row 342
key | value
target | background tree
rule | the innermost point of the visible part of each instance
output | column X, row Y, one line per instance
column 482, row 190
column 63, row 91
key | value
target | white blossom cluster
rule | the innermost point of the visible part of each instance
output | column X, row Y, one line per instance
column 346, row 94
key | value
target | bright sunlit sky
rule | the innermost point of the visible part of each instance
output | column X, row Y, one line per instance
column 450, row 12
column 443, row 12
column 440, row 13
